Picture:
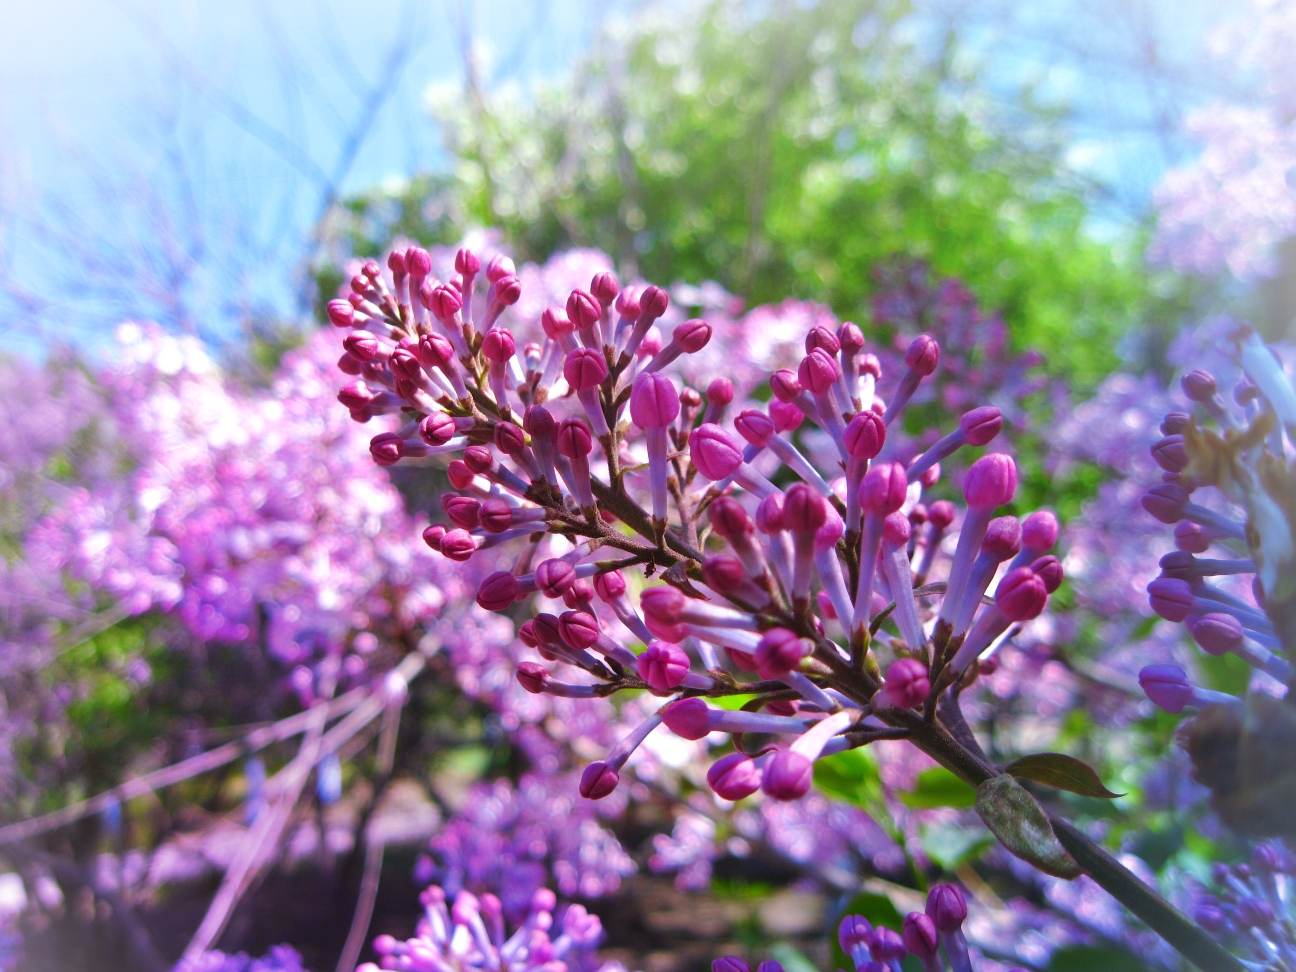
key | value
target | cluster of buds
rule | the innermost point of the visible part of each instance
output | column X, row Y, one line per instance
column 1252, row 907
column 809, row 588
column 470, row 936
column 1245, row 519
column 925, row 935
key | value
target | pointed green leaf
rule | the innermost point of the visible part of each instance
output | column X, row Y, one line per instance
column 1022, row 826
column 938, row 787
column 1063, row 772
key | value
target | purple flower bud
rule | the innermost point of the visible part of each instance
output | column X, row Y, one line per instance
column 1254, row 913
column 692, row 336
column 850, row 338
column 585, row 369
column 1171, row 598
column 729, row 963
column 896, row 530
column 341, row 313
column 604, row 286
column 598, row 780
column 720, row 391
column 1209, row 917
column 769, row 965
column 779, row 652
column 788, row 776
column 821, row 337
column 464, row 511
column 1167, row 686
column 386, row 448
column 663, row 666
column 981, row 425
column 532, row 676
column 1169, row 453
column 941, row 514
column 787, row 417
column 946, row 907
column 734, row 777
column 653, row 303
column 714, row 452
column 444, row 302
column 1039, row 532
column 688, row 718
column 1218, row 634
column 500, row 266
column 583, row 309
column 724, row 573
column 1199, row 385
column 495, row 516
column 818, row 372
column 654, row 402
column 556, row 323
column 804, row 510
column 574, row 438
column 498, row 591
column 887, row 945
column 920, row 935
column 580, row 629
column 1166, row 502
column 1003, row 538
column 498, row 345
column 553, row 577
column 923, row 354
column 436, row 429
column 729, row 519
column 355, row 394
column 1175, row 423
column 884, row 488
column 1021, row 595
column 785, row 385
column 1049, row 570
column 754, row 426
column 991, row 481
column 458, row 545
column 854, row 931
column 906, row 684
column 865, row 434
column 509, row 438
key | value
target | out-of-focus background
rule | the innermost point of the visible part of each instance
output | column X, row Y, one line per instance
column 1075, row 197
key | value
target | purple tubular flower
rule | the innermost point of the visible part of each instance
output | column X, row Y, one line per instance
column 687, row 338
column 804, row 512
column 920, row 360
column 899, row 578
column 585, row 370
column 692, row 718
column 654, row 404
column 922, row 939
column 906, row 686
column 820, row 375
column 1003, row 540
column 977, row 427
column 1218, row 634
column 790, row 771
column 1168, row 688
column 863, row 437
column 717, row 457
column 829, row 566
column 585, row 311
column 600, row 778
column 1039, row 535
column 719, row 394
column 652, row 305
column 760, row 431
column 734, row 777
column 882, row 493
column 990, row 483
column 611, row 589
column 575, row 444
column 663, row 666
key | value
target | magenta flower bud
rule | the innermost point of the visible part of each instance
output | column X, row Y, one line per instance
column 458, row 545
column 1217, row 633
column 479, row 459
column 981, row 425
column 850, row 338
column 509, row 438
column 651, row 344
column 1049, row 570
column 1167, row 686
column 574, row 439
column 610, row 585
column 818, row 372
column 498, row 591
column 585, row 369
column 1021, row 595
column 896, row 529
column 654, row 402
column 463, row 510
column 692, row 335
column 386, row 448
column 598, row 780
column 653, row 302
column 435, row 351
column 554, row 577
column 941, row 514
column 507, row 291
column 1199, row 385
column 580, row 629
column 467, row 262
column 433, row 535
column 732, row 778
column 663, row 604
column 729, row 963
column 946, row 907
column 405, row 364
column 923, row 354
column 1039, row 532
column 930, row 476
column 627, row 303
column 720, row 392
column 396, row 263
column 907, row 685
column 788, row 776
column 887, row 946
column 349, row 365
column 584, row 309
column 499, row 267
column 663, row 666
column 1169, row 454
column 444, row 302
column 418, row 261
column 688, row 718
column 991, row 481
column 437, row 429
column 459, row 474
column 1166, row 502
column 787, row 417
column 870, row 365
column 498, row 345
column 920, row 935
column 341, row 313
column 495, row 516
column 804, row 510
column 779, row 652
column 854, row 932
column 356, row 394
column 1003, row 538
column 604, row 286
column 822, row 337
column 785, row 385
column 729, row 519
column 532, row 676
column 724, row 573
column 754, row 426
column 1171, row 598
column 1174, row 423
column 714, row 452
column 884, row 488
column 865, row 435
column 556, row 324
column 362, row 345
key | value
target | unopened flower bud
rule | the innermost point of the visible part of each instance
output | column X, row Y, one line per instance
column 1021, row 595
column 1167, row 686
column 923, row 354
column 981, row 425
column 1199, row 386
column 779, row 652
column 1217, row 633
column 946, row 907
column 732, row 778
column 865, row 435
column 498, row 591
column 991, row 481
column 787, row 776
column 907, row 685
column 663, row 666
column 1171, row 598
column 598, row 780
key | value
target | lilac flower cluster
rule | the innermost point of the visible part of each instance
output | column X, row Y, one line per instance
column 1252, row 906
column 471, row 933
column 281, row 958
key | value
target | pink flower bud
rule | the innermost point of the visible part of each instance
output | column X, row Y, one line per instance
column 574, row 438
column 663, row 666
column 349, row 365
column 788, row 776
column 495, row 515
column 418, row 261
column 923, row 354
column 865, row 435
column 654, row 402
column 1169, row 453
column 355, row 394
column 981, row 425
column 1191, row 537
column 386, row 448
column 1166, row 502
column 946, row 907
column 688, row 718
column 724, row 573
column 463, row 510
column 507, row 290
column 580, row 629
column 598, row 780
column 804, row 510
column 532, row 676
column 1167, row 686
column 818, row 372
column 584, row 369
column 435, row 351
column 720, row 391
column 785, row 385
column 729, row 519
column 341, row 313
column 653, row 303
column 1039, row 532
column 478, row 458
column 870, row 365
column 610, row 585
column 361, row 345
column 583, row 309
column 1021, row 595
column 714, row 452
column 896, row 529
column 734, row 777
column 1049, row 570
column 907, row 684
column 604, row 286
column 556, row 324
column 554, row 577
column 850, row 338
column 664, row 604
column 754, row 426
column 458, row 545
column 1218, row 634
column 826, row 608
column 651, row 344
column 500, row 266
column 884, row 488
column 460, row 476
column 941, row 514
column 991, row 481
column 433, row 535
column 1199, row 385
column 1171, row 598
column 498, row 345
column 787, row 418
column 692, row 335
column 444, row 303
column 498, row 591
column 779, row 652
column 467, row 263
column 405, row 364
column 822, row 337
column 396, row 263
column 627, row 304
column 1003, row 538
column 769, row 514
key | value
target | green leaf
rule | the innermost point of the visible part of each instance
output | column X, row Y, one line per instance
column 1061, row 771
column 952, row 846
column 851, row 777
column 1022, row 826
column 938, row 787
column 1087, row 958
column 791, row 958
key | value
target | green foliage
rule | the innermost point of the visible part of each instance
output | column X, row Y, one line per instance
column 850, row 776
column 1089, row 958
column 938, row 787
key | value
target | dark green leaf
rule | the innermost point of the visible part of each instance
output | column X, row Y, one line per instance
column 1087, row 958
column 850, row 776
column 938, row 787
column 1062, row 771
column 1022, row 827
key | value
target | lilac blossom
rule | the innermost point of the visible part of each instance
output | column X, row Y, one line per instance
column 281, row 958
column 1250, row 905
